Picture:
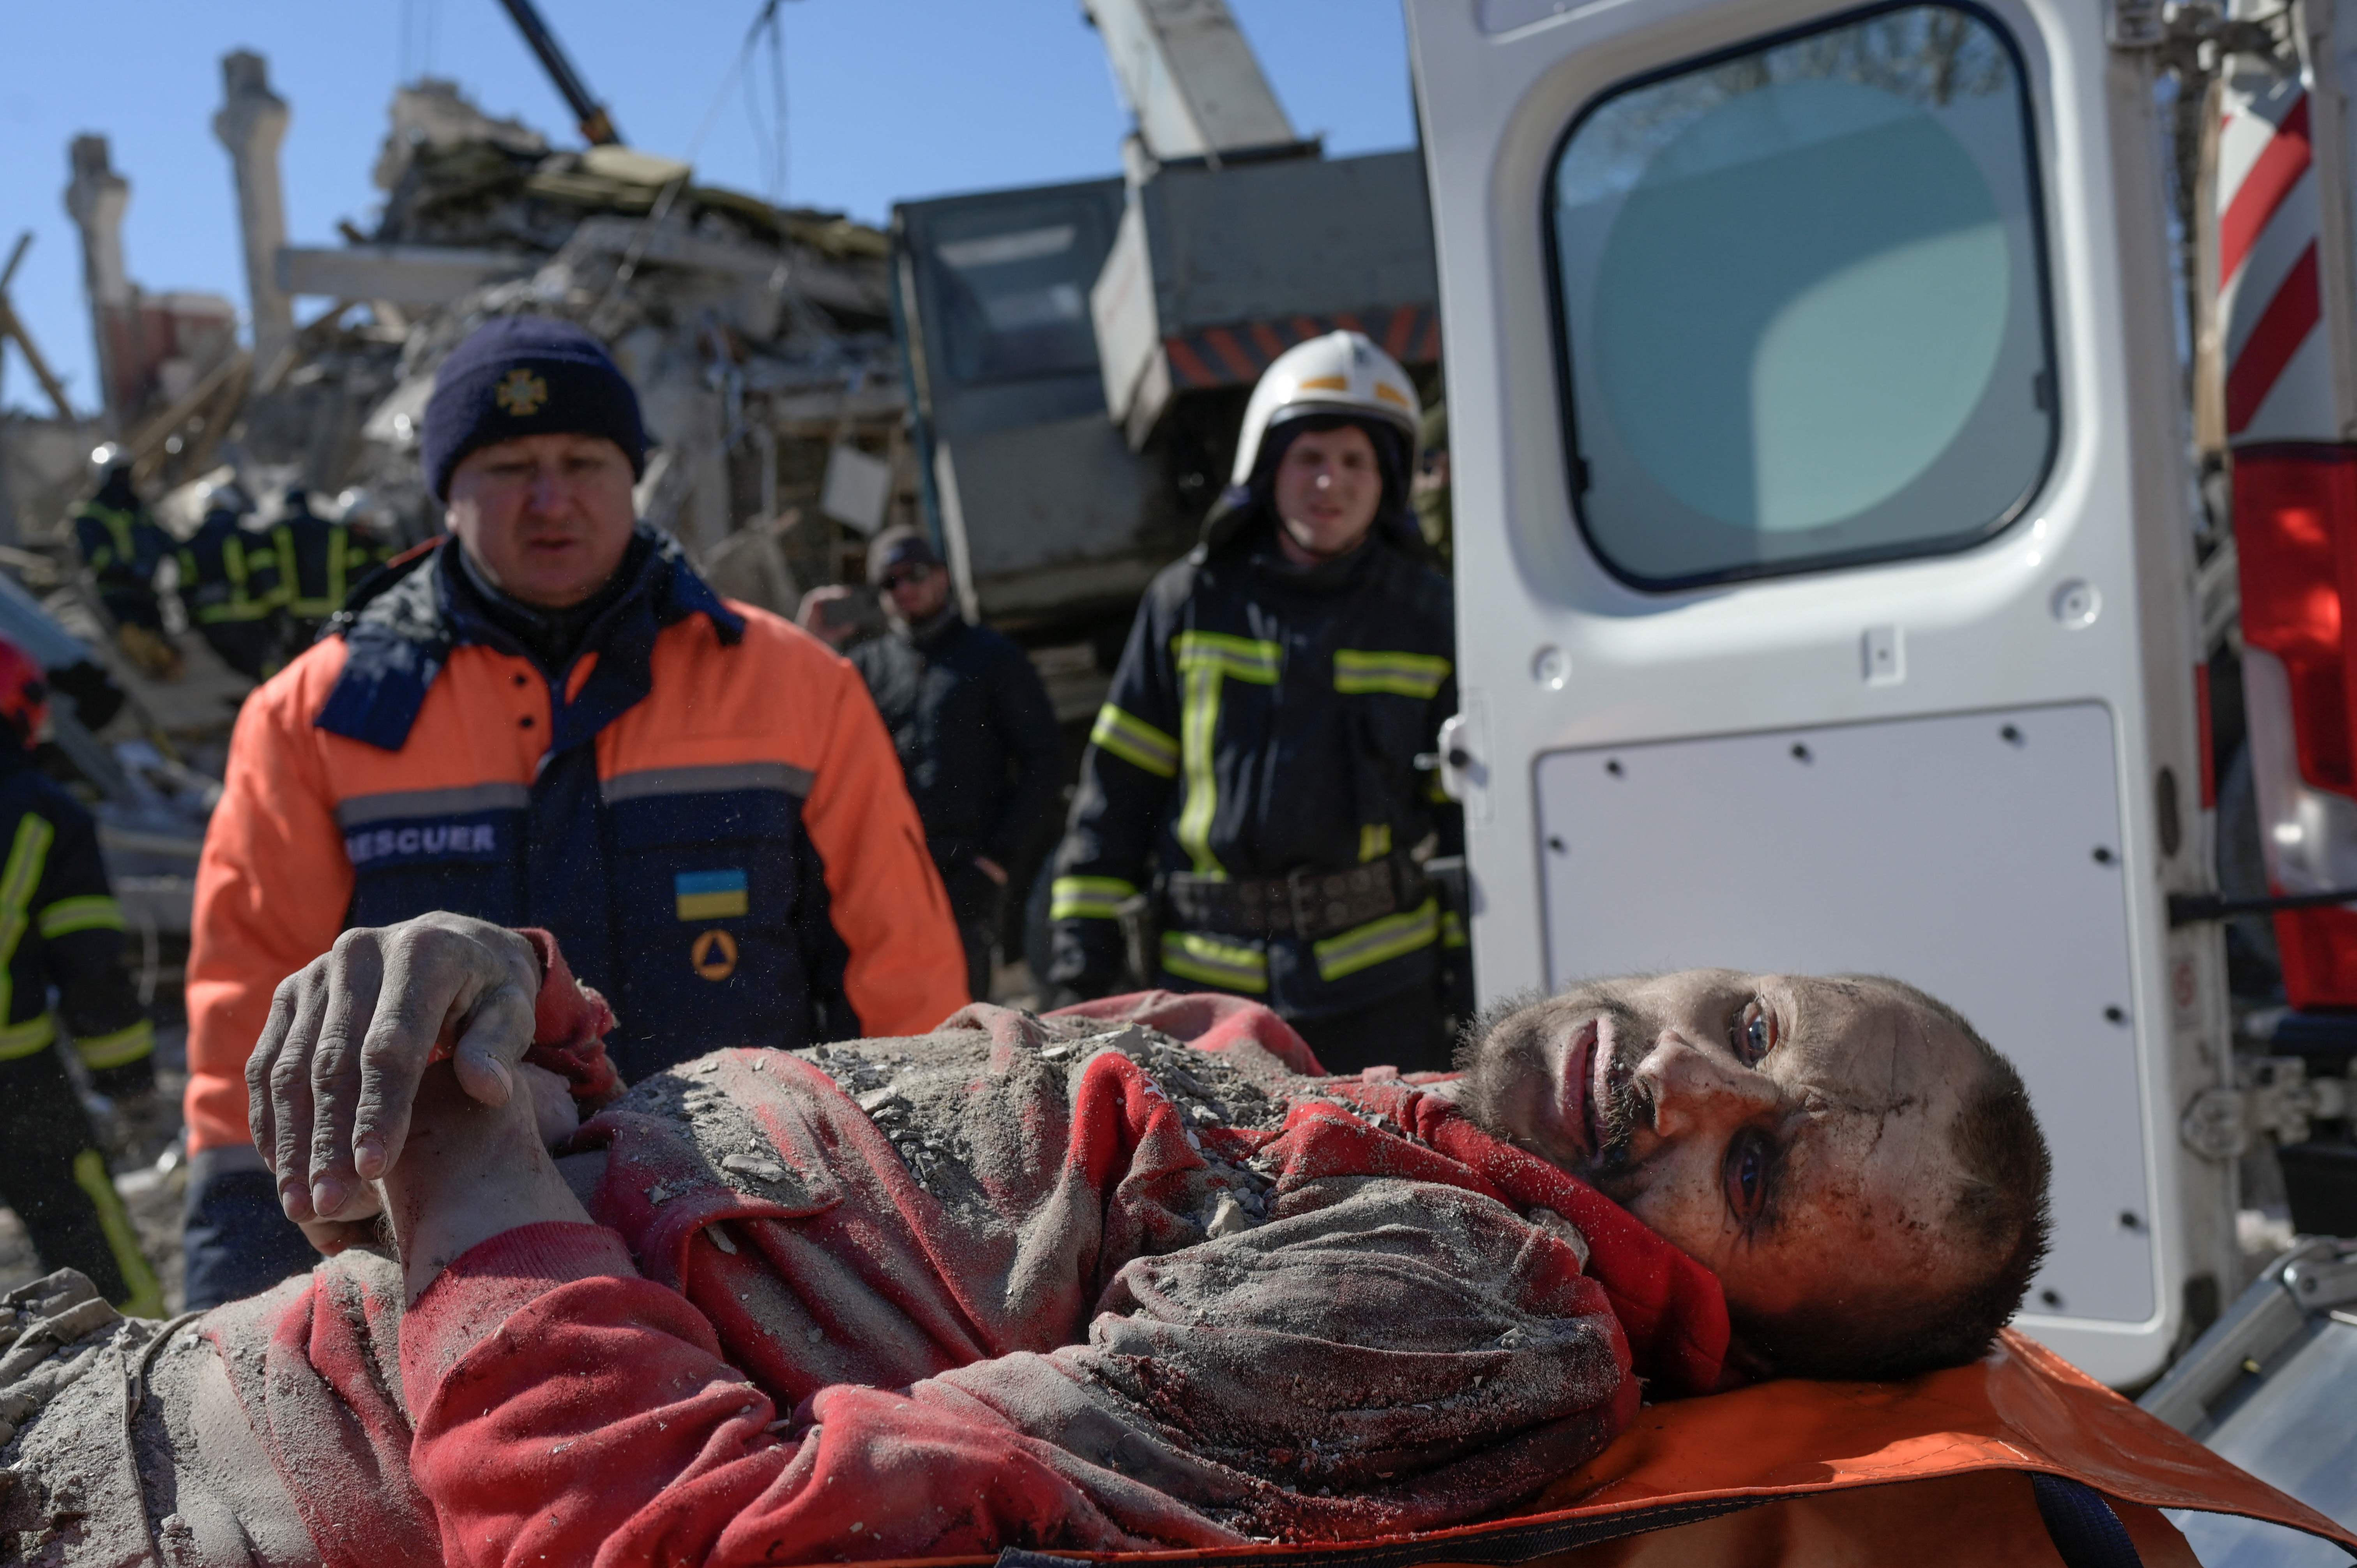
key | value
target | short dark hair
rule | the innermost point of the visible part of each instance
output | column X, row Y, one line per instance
column 2002, row 1210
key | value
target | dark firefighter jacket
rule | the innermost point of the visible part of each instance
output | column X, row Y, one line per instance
column 703, row 806
column 319, row 562
column 230, row 574
column 976, row 733
column 61, row 927
column 1266, row 719
column 123, row 547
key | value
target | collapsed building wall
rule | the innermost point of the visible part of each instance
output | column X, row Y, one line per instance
column 759, row 339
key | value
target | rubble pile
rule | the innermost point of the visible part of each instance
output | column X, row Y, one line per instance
column 759, row 340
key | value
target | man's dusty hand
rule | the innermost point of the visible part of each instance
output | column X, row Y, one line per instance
column 334, row 1076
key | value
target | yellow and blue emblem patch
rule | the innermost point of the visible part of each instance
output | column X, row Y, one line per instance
column 709, row 894
column 522, row 393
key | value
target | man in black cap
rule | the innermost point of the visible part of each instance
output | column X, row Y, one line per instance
column 970, row 718
column 549, row 720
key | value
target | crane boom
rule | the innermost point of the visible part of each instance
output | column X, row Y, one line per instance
column 596, row 125
column 1191, row 78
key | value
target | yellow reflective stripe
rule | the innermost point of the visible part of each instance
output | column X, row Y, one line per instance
column 27, row 856
column 143, row 1296
column 1452, row 930
column 119, row 1049
column 92, row 912
column 1374, row 841
column 1245, row 658
column 1378, row 942
column 1208, row 961
column 1357, row 672
column 116, row 524
column 23, row 1039
column 1087, row 897
column 1205, row 659
column 1134, row 741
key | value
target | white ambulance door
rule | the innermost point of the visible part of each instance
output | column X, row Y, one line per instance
column 1821, row 550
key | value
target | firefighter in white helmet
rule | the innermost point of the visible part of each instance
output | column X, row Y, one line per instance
column 1251, row 817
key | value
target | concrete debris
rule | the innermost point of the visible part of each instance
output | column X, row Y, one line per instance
column 759, row 340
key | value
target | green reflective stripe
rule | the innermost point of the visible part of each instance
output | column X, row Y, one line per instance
column 1452, row 930
column 1134, row 741
column 23, row 1039
column 141, row 1295
column 117, row 525
column 1205, row 658
column 1246, row 659
column 27, row 856
column 1087, row 897
column 1357, row 672
column 1208, row 961
column 119, row 1049
column 1378, row 942
column 1374, row 841
column 93, row 912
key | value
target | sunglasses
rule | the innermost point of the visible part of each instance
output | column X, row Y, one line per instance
column 906, row 577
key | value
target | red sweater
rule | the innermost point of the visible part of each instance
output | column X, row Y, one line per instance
column 982, row 1312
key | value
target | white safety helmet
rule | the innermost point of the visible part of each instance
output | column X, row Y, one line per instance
column 1342, row 373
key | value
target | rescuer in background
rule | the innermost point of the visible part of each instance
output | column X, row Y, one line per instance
column 123, row 547
column 977, row 734
column 320, row 562
column 59, row 927
column 550, row 720
column 1250, row 784
column 230, row 582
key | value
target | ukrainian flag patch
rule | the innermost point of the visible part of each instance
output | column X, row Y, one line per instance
column 709, row 894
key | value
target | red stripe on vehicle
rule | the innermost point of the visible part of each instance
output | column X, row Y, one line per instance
column 1264, row 338
column 1402, row 328
column 1348, row 321
column 1186, row 369
column 1427, row 342
column 1241, row 366
column 1304, row 327
column 2263, row 190
column 2285, row 325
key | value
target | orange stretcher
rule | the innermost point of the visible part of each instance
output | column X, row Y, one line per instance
column 2019, row 1460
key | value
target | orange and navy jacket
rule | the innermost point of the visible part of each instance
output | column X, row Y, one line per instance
column 705, row 809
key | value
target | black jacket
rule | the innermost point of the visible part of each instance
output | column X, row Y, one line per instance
column 976, row 735
column 1266, row 719
column 60, row 926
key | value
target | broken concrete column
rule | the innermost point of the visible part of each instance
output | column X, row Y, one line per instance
column 250, row 124
column 95, row 202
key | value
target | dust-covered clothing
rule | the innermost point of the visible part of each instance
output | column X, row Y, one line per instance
column 1253, row 773
column 1069, row 1284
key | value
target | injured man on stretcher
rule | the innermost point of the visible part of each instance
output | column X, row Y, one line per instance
column 1134, row 1275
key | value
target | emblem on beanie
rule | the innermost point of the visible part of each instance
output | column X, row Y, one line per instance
column 522, row 393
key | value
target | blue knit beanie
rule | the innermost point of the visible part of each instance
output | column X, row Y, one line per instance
column 527, row 375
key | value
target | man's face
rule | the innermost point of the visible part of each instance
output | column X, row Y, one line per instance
column 547, row 517
column 1328, row 487
column 917, row 590
column 1792, row 1134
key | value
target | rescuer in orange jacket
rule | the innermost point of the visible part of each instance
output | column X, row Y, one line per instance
column 550, row 719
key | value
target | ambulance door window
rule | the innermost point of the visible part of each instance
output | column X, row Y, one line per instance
column 1803, row 302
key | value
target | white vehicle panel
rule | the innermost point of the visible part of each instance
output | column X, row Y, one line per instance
column 2080, row 604
column 1975, row 855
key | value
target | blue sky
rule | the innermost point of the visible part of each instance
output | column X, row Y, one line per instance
column 886, row 99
